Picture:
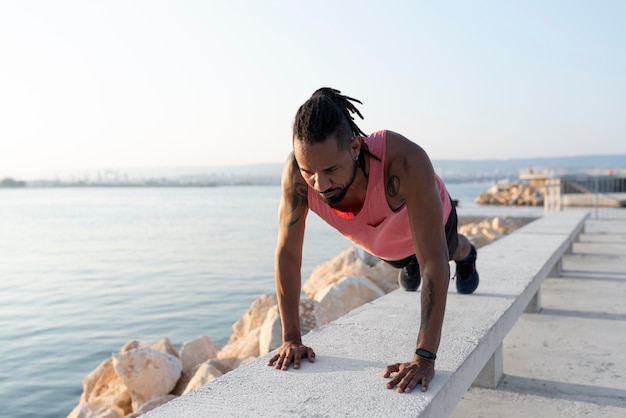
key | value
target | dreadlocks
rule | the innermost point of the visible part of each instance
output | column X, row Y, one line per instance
column 327, row 113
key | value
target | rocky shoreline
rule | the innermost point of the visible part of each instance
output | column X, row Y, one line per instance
column 512, row 194
column 143, row 376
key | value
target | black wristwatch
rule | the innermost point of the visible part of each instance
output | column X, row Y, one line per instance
column 426, row 354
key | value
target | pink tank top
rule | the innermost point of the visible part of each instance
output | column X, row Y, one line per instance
column 376, row 228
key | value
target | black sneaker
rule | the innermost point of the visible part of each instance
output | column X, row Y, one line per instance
column 409, row 277
column 466, row 275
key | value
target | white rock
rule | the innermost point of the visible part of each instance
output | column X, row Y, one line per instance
column 385, row 276
column 253, row 318
column 270, row 334
column 235, row 352
column 197, row 351
column 205, row 373
column 347, row 263
column 153, row 404
column 192, row 354
column 147, row 373
column 312, row 315
column 165, row 346
column 347, row 294
column 103, row 390
column 220, row 365
column 96, row 411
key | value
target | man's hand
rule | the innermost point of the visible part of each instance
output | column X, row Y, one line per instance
column 289, row 352
column 410, row 374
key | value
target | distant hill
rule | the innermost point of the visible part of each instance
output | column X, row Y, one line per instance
column 472, row 170
column 449, row 170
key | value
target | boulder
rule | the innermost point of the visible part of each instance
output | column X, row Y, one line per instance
column 192, row 354
column 220, row 365
column 347, row 294
column 152, row 404
column 205, row 373
column 147, row 373
column 385, row 276
column 253, row 318
column 164, row 345
column 270, row 334
column 240, row 349
column 347, row 263
column 512, row 194
column 86, row 410
column 104, row 393
column 312, row 315
column 197, row 351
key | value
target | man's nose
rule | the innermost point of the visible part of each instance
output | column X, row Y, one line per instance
column 322, row 183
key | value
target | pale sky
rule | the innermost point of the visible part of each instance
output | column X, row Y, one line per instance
column 110, row 84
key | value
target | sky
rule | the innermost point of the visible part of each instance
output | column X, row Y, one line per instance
column 159, row 83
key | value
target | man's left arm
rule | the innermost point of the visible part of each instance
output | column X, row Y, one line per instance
column 412, row 177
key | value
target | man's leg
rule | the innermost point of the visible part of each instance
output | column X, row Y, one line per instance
column 463, row 248
column 409, row 277
column 465, row 258
column 464, row 254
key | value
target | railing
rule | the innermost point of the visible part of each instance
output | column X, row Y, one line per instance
column 606, row 195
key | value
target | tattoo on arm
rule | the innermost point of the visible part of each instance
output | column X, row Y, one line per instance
column 298, row 198
column 428, row 297
column 393, row 186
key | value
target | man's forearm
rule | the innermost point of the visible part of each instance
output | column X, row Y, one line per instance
column 433, row 305
column 288, row 294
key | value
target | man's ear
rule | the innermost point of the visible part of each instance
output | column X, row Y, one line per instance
column 355, row 146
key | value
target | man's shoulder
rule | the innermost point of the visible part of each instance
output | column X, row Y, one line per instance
column 403, row 156
column 292, row 177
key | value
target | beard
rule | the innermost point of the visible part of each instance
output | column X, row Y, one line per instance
column 335, row 195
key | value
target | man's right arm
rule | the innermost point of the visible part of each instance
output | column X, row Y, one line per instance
column 288, row 261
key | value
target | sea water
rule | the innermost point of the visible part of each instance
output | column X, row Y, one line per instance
column 85, row 270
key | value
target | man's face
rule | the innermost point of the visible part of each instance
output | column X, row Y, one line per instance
column 326, row 168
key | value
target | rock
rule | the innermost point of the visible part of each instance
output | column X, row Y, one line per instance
column 95, row 411
column 152, row 404
column 104, row 393
column 197, row 351
column 347, row 294
column 205, row 373
column 235, row 352
column 166, row 346
column 385, row 276
column 147, row 373
column 347, row 263
column 369, row 259
column 312, row 315
column 220, row 365
column 192, row 354
column 270, row 334
column 518, row 194
column 253, row 318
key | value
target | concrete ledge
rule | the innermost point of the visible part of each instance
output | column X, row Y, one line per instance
column 352, row 352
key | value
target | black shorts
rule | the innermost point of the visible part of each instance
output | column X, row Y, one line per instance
column 452, row 239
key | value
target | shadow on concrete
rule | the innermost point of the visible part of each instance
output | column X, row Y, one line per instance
column 567, row 391
column 583, row 314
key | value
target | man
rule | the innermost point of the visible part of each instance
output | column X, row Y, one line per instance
column 381, row 192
